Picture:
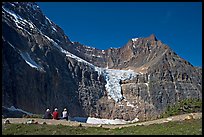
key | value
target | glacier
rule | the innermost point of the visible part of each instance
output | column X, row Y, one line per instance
column 113, row 77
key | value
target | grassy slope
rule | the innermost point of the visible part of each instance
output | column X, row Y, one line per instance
column 191, row 127
column 183, row 107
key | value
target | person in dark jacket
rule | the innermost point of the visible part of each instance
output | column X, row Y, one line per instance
column 47, row 114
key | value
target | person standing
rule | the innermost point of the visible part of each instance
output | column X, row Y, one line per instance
column 65, row 114
column 55, row 114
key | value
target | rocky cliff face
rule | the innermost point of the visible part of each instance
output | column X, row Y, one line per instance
column 43, row 68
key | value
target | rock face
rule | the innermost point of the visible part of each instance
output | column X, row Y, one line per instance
column 43, row 69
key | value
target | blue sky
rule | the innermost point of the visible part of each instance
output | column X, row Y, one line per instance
column 111, row 24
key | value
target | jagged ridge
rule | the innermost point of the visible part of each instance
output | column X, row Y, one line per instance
column 43, row 68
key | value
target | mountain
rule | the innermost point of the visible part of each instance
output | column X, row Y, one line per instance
column 42, row 68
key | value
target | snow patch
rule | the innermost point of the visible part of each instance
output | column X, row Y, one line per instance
column 134, row 39
column 57, row 70
column 51, row 40
column 89, row 47
column 96, row 56
column 131, row 105
column 176, row 89
column 12, row 13
column 147, row 84
column 48, row 20
column 50, row 23
column 91, row 120
column 67, row 53
column 12, row 5
column 54, row 28
column 12, row 108
column 120, row 105
column 19, row 21
column 11, row 45
column 103, row 52
column 29, row 61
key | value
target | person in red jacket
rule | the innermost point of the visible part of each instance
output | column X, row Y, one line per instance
column 55, row 114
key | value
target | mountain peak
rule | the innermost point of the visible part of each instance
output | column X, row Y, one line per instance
column 134, row 39
column 152, row 37
column 89, row 81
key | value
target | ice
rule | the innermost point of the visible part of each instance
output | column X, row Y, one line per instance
column 48, row 20
column 19, row 21
column 121, row 105
column 13, row 5
column 131, row 105
column 67, row 53
column 12, row 108
column 51, row 24
column 113, row 79
column 11, row 45
column 103, row 51
column 134, row 39
column 29, row 23
column 12, row 13
column 29, row 61
column 16, row 17
column 54, row 28
column 91, row 120
column 96, row 56
column 89, row 47
column 147, row 84
column 51, row 40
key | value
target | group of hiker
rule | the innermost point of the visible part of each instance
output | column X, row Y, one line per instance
column 55, row 114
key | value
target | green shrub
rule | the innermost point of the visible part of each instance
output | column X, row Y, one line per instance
column 182, row 107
